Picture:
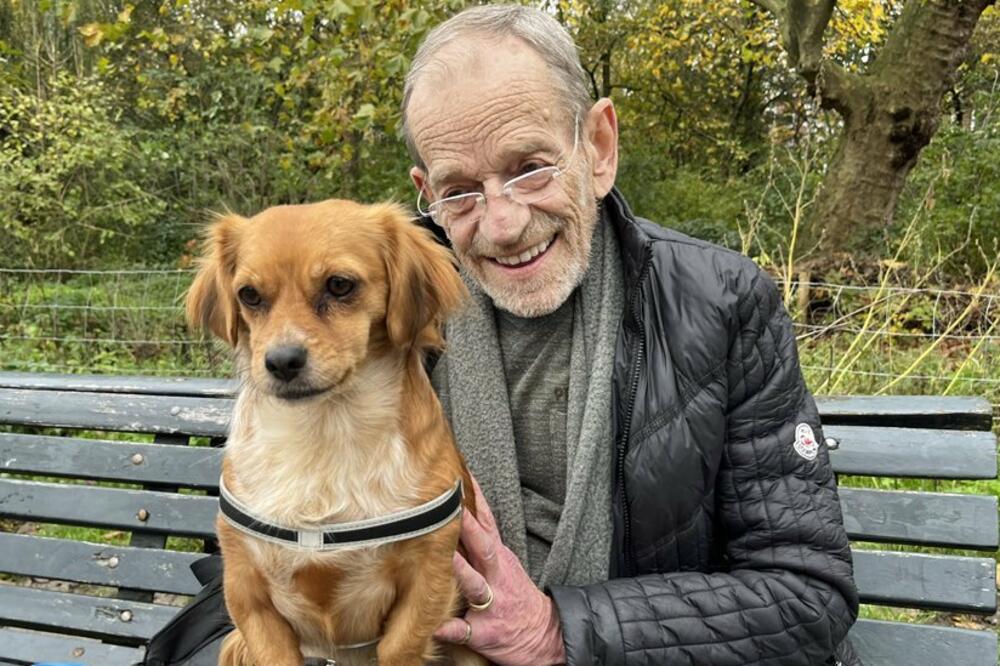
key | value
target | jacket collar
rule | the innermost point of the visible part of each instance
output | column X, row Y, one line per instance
column 633, row 240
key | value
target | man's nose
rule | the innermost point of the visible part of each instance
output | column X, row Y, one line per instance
column 503, row 220
column 285, row 361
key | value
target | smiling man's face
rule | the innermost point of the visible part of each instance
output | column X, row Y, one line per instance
column 489, row 115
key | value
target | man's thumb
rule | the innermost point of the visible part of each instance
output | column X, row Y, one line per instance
column 454, row 630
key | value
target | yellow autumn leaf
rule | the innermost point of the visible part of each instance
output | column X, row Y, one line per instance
column 92, row 34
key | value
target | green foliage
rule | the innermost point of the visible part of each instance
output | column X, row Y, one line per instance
column 692, row 201
column 323, row 78
column 192, row 107
column 66, row 174
column 696, row 79
column 123, row 123
column 955, row 195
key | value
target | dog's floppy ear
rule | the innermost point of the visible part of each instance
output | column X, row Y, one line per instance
column 210, row 302
column 424, row 286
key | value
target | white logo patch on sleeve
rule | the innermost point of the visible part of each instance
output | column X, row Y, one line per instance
column 805, row 442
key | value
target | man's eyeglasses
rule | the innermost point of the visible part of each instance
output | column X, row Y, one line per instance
column 528, row 189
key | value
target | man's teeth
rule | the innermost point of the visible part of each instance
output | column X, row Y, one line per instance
column 525, row 256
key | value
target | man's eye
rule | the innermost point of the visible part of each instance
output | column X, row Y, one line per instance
column 459, row 205
column 455, row 192
column 528, row 167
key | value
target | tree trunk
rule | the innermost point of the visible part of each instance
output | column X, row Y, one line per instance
column 890, row 114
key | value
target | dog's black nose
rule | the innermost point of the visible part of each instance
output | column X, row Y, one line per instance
column 286, row 361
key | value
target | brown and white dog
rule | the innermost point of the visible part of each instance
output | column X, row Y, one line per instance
column 330, row 307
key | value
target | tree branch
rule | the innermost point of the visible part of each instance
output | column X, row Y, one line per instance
column 776, row 7
column 593, row 81
column 807, row 20
column 802, row 24
column 838, row 88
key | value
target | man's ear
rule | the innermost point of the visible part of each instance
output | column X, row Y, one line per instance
column 419, row 178
column 424, row 285
column 601, row 132
column 210, row 302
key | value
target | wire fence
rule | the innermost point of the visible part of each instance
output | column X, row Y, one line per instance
column 131, row 322
column 104, row 321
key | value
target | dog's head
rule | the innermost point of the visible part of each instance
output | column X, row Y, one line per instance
column 307, row 293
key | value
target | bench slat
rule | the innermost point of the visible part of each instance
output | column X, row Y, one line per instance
column 70, row 408
column 936, row 582
column 877, row 642
column 920, row 518
column 99, row 564
column 912, row 411
column 913, row 452
column 933, row 519
column 888, row 578
column 30, row 647
column 51, row 381
column 115, row 508
column 129, row 622
column 123, row 413
column 881, row 643
column 899, row 452
column 104, row 460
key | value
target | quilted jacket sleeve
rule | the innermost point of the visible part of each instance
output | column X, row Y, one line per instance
column 786, row 593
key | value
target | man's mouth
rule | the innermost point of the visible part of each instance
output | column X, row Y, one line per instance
column 526, row 257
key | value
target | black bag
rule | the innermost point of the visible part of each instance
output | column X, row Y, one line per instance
column 194, row 635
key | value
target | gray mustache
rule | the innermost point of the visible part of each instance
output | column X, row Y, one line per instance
column 541, row 227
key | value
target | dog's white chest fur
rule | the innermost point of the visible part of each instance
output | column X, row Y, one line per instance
column 300, row 466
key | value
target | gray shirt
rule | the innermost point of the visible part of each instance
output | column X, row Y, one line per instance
column 536, row 359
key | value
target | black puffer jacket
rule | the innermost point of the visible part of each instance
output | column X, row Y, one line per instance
column 729, row 546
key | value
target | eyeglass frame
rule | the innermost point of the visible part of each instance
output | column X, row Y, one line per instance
column 482, row 199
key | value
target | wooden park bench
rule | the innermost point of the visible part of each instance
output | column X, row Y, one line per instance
column 145, row 489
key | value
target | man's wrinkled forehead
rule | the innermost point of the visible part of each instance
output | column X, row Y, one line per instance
column 478, row 90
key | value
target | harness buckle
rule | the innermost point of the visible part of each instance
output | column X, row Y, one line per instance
column 312, row 539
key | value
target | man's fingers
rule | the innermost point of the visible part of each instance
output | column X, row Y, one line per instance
column 480, row 545
column 472, row 584
column 483, row 512
column 452, row 631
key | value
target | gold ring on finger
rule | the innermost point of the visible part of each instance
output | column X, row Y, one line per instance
column 468, row 633
column 486, row 604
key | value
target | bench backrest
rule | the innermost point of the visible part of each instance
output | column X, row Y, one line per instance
column 164, row 488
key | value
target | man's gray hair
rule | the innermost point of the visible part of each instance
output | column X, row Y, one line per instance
column 538, row 29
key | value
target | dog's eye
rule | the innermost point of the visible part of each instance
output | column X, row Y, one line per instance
column 249, row 297
column 339, row 287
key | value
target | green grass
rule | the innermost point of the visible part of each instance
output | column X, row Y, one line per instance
column 103, row 323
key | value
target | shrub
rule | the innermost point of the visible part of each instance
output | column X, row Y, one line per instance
column 66, row 174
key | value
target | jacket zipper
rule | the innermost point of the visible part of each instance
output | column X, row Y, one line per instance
column 627, row 425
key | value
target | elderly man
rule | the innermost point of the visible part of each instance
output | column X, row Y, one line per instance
column 629, row 398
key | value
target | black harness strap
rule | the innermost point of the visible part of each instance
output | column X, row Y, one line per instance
column 394, row 527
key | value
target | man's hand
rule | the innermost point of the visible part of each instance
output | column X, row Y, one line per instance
column 521, row 625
